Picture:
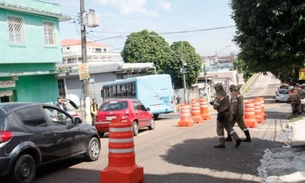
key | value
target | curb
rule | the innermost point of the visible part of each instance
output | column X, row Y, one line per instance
column 250, row 81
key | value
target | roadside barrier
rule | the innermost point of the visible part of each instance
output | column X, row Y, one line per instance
column 263, row 107
column 185, row 116
column 249, row 114
column 204, row 109
column 121, row 158
column 196, row 115
column 258, row 111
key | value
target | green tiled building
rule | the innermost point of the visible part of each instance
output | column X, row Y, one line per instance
column 30, row 47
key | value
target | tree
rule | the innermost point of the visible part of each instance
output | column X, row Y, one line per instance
column 186, row 53
column 145, row 46
column 271, row 35
column 148, row 46
column 241, row 67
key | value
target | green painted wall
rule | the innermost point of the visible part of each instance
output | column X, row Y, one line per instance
column 11, row 68
column 32, row 88
column 35, row 4
column 35, row 50
column 39, row 88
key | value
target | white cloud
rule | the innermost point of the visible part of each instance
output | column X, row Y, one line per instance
column 165, row 5
column 130, row 6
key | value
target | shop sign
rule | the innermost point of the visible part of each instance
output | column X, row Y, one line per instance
column 7, row 84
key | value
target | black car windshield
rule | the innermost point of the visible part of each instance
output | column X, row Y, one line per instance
column 113, row 106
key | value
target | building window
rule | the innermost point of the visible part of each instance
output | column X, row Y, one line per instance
column 49, row 33
column 16, row 30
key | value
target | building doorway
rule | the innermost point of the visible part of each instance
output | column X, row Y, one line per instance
column 6, row 96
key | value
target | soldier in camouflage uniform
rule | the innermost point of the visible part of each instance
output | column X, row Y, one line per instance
column 221, row 103
column 294, row 100
column 237, row 110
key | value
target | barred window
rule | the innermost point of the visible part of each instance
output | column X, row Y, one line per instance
column 16, row 30
column 49, row 33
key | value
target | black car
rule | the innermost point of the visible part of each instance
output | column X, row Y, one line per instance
column 33, row 134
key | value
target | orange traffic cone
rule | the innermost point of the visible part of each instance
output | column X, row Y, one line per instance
column 249, row 114
column 196, row 116
column 258, row 111
column 185, row 116
column 121, row 166
column 204, row 109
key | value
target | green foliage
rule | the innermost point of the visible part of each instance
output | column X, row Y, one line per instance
column 241, row 67
column 271, row 35
column 145, row 46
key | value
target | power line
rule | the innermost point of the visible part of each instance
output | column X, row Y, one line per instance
column 198, row 30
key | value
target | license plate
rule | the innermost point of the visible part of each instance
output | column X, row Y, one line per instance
column 108, row 118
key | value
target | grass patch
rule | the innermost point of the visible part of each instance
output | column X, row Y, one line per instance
column 292, row 118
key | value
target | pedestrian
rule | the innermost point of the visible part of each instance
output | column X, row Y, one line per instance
column 301, row 95
column 221, row 103
column 237, row 112
column 93, row 111
column 294, row 100
column 178, row 99
column 62, row 103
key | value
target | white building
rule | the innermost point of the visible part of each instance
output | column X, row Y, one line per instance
column 96, row 52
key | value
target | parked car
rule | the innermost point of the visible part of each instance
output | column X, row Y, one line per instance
column 34, row 134
column 281, row 95
column 130, row 109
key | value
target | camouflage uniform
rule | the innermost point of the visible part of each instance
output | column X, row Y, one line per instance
column 221, row 103
column 294, row 100
column 237, row 111
column 302, row 96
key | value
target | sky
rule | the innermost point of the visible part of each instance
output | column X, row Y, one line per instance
column 206, row 25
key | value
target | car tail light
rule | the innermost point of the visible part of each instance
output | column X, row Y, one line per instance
column 5, row 136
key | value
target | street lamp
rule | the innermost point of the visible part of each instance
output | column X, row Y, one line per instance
column 217, row 53
column 183, row 64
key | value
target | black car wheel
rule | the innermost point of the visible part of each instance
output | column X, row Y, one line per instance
column 93, row 149
column 152, row 124
column 24, row 170
column 101, row 134
column 135, row 128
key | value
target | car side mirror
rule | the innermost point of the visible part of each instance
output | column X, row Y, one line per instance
column 147, row 109
column 78, row 120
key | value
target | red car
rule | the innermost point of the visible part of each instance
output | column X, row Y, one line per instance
column 130, row 109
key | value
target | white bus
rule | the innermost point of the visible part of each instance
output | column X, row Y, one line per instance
column 154, row 91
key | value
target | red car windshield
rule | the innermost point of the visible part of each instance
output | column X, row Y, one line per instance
column 114, row 106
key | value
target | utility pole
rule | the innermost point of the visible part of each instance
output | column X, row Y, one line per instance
column 183, row 75
column 84, row 55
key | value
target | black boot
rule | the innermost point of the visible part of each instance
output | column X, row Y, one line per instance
column 220, row 146
column 248, row 138
column 237, row 143
column 229, row 138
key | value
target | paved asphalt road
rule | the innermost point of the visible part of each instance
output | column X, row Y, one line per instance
column 172, row 154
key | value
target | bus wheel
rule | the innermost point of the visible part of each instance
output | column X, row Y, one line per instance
column 152, row 124
column 135, row 128
column 156, row 116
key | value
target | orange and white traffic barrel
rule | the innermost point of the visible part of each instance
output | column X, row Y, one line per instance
column 121, row 157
